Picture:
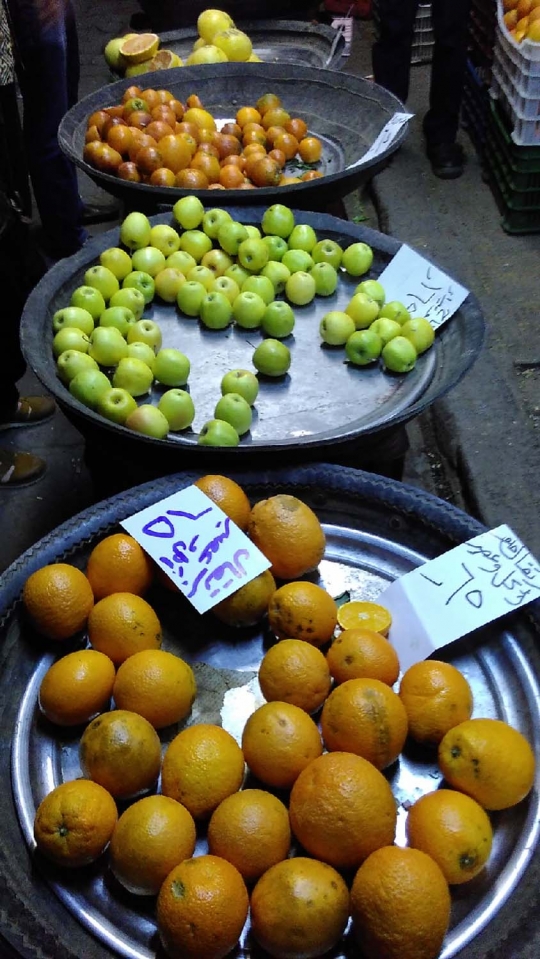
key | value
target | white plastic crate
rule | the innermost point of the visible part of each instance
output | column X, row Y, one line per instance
column 525, row 130
column 526, row 106
column 526, row 55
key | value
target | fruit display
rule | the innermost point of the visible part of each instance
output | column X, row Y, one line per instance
column 522, row 19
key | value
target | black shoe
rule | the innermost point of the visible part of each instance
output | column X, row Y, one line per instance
column 19, row 469
column 100, row 212
column 30, row 411
column 447, row 160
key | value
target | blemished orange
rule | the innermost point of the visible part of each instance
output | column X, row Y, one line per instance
column 296, row 672
column 201, row 908
column 366, row 717
column 489, row 760
column 454, row 830
column 299, row 909
column 341, row 809
column 121, row 751
column 365, row 615
column 436, row 697
column 249, row 604
column 251, row 829
column 151, row 837
column 400, row 905
column 158, row 685
column 228, row 495
column 118, row 564
column 74, row 823
column 289, row 534
column 279, row 741
column 363, row 654
column 76, row 687
column 302, row 610
column 58, row 598
column 123, row 624
column 201, row 767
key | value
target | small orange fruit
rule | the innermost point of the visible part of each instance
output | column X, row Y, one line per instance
column 151, row 837
column 122, row 624
column 247, row 115
column 342, row 809
column 302, row 610
column 299, row 909
column 58, row 599
column 361, row 614
column 76, row 687
column 454, row 830
column 288, row 144
column 249, row 604
column 250, row 829
column 436, row 697
column 267, row 102
column 121, row 751
column 310, row 149
column 288, row 532
column 75, row 822
column 400, row 905
column 279, row 741
column 228, row 495
column 366, row 717
column 118, row 564
column 362, row 653
column 231, row 176
column 201, row 908
column 297, row 127
column 296, row 672
column 158, row 685
column 200, row 117
column 189, row 179
column 201, row 767
column 265, row 172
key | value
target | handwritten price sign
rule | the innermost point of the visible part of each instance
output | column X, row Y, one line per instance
column 458, row 592
column 421, row 287
column 198, row 546
column 388, row 133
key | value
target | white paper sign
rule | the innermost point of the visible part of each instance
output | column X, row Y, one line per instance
column 421, row 287
column 388, row 133
column 198, row 546
column 460, row 591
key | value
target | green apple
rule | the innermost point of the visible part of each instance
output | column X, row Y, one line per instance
column 116, row 405
column 253, row 255
column 386, row 328
column 218, row 433
column 272, row 358
column 201, row 274
column 234, row 409
column 230, row 235
column 260, row 285
column 135, row 231
column 70, row 338
column 302, row 237
column 164, row 238
column 102, row 279
column 326, row 278
column 243, row 382
column 399, row 355
column 300, row 288
column 167, row 283
column 107, row 345
column 298, row 261
column 188, row 212
column 363, row 347
column 89, row 299
column 357, row 259
column 132, row 299
column 253, row 232
column 180, row 261
column 171, row 367
column 278, row 220
column 238, row 274
column 223, row 284
column 248, row 310
column 133, row 375
column 150, row 421
column 278, row 320
column 217, row 261
column 374, row 289
column 141, row 351
column 117, row 261
column 73, row 316
column 277, row 246
column 216, row 311
column 119, row 316
column 277, row 273
column 420, row 332
column 71, row 362
column 190, row 296
column 145, row 331
column 395, row 310
column 213, row 220
column 148, row 260
column 88, row 386
column 196, row 243
column 336, row 327
column 363, row 309
column 141, row 281
column 178, row 408
column 327, row 251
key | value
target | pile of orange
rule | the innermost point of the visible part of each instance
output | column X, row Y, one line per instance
column 522, row 19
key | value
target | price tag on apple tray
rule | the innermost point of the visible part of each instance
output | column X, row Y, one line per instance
column 422, row 288
column 458, row 592
column 198, row 546
column 381, row 143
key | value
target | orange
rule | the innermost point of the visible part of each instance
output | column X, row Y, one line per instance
column 366, row 717
column 158, row 685
column 201, row 908
column 289, row 534
column 533, row 30
column 362, row 653
column 151, row 837
column 489, row 760
column 310, row 149
column 249, row 604
column 302, row 610
column 279, row 741
column 364, row 615
column 400, row 905
column 454, row 830
column 342, row 809
column 74, row 823
column 77, row 687
column 121, row 751
column 250, row 829
column 122, row 624
column 436, row 697
column 247, row 115
column 58, row 599
column 200, row 118
column 268, row 101
column 299, row 909
column 201, row 767
column 118, row 565
column 228, row 495
column 294, row 671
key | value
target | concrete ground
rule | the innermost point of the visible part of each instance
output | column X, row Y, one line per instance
column 480, row 446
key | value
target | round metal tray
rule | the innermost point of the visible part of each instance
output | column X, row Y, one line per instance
column 377, row 530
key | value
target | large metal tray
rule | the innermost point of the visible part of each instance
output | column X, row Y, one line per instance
column 377, row 530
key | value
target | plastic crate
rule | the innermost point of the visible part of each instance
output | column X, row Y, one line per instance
column 526, row 55
column 475, row 107
column 526, row 84
column 520, row 214
column 525, row 106
column 525, row 130
column 522, row 159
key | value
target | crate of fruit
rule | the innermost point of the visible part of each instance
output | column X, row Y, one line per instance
column 522, row 49
column 526, row 105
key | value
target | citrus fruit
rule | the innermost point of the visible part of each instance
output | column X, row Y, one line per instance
column 296, row 672
column 228, row 495
column 302, row 610
column 299, row 909
column 400, row 905
column 201, row 908
column 249, row 604
column 454, row 830
column 201, row 767
column 279, row 741
column 210, row 22
column 235, row 44
column 151, row 837
column 74, row 823
column 118, row 565
column 58, row 599
column 436, row 697
column 158, row 685
column 123, row 624
column 489, row 760
column 289, row 534
column 250, row 829
column 76, row 687
column 361, row 653
column 121, row 751
column 365, row 615
column 366, row 717
column 139, row 47
column 341, row 809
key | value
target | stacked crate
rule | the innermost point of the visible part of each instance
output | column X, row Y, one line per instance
column 481, row 42
column 422, row 48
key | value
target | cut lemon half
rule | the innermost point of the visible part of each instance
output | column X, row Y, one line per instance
column 141, row 47
column 365, row 615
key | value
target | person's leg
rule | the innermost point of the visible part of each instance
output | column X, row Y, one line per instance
column 450, row 29
column 391, row 54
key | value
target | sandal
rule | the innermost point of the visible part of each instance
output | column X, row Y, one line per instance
column 31, row 410
column 19, row 469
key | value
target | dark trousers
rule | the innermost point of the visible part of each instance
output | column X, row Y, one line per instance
column 392, row 59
